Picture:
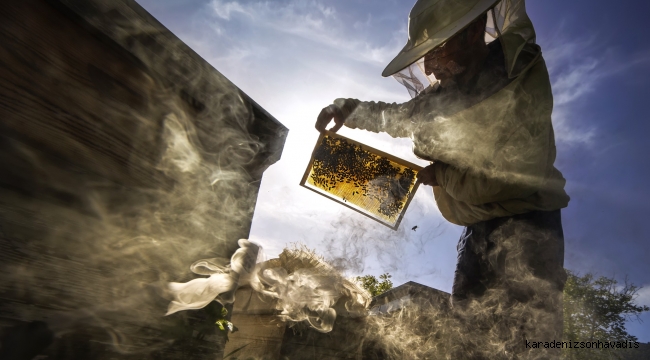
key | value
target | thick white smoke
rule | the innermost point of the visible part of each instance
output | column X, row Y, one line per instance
column 306, row 288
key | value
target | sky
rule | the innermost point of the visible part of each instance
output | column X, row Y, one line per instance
column 295, row 57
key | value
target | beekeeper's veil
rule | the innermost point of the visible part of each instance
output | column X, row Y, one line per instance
column 433, row 22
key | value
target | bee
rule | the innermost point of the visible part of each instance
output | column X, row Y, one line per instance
column 339, row 161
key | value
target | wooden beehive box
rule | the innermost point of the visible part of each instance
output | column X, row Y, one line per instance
column 92, row 213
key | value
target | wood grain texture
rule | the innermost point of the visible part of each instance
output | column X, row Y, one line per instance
column 90, row 221
column 258, row 336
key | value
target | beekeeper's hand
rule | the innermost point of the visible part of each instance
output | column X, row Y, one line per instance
column 325, row 117
column 427, row 176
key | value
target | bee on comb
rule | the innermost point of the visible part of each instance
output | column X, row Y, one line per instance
column 362, row 178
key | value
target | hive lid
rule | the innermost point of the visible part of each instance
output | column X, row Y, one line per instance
column 364, row 179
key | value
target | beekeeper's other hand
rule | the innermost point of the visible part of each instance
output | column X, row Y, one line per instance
column 427, row 176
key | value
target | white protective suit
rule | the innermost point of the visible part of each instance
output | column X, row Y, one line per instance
column 494, row 147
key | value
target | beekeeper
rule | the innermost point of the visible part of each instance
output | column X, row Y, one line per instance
column 481, row 114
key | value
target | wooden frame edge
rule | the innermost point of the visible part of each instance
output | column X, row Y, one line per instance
column 373, row 150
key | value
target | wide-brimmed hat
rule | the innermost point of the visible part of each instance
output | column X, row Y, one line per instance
column 432, row 23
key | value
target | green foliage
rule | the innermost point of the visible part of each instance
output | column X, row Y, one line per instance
column 597, row 309
column 374, row 286
column 224, row 324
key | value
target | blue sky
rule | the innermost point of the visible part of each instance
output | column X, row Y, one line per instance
column 295, row 56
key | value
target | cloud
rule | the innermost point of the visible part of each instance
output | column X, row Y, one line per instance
column 224, row 9
column 643, row 296
column 311, row 21
column 363, row 24
column 572, row 79
column 577, row 68
column 578, row 81
column 567, row 132
column 573, row 72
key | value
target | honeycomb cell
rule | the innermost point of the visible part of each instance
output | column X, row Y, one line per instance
column 367, row 180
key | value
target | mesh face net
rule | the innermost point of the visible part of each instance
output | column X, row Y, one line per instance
column 414, row 77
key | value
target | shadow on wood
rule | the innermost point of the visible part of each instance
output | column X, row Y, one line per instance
column 125, row 157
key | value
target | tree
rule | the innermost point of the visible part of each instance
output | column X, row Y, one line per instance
column 374, row 286
column 596, row 309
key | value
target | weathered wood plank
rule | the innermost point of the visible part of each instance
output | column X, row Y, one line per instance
column 91, row 223
column 257, row 335
column 73, row 96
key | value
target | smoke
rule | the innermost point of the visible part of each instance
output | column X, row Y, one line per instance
column 309, row 290
column 304, row 287
column 520, row 301
column 353, row 242
column 222, row 283
column 105, row 204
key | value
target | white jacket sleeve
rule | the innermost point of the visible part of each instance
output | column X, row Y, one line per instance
column 395, row 119
column 477, row 188
column 521, row 166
